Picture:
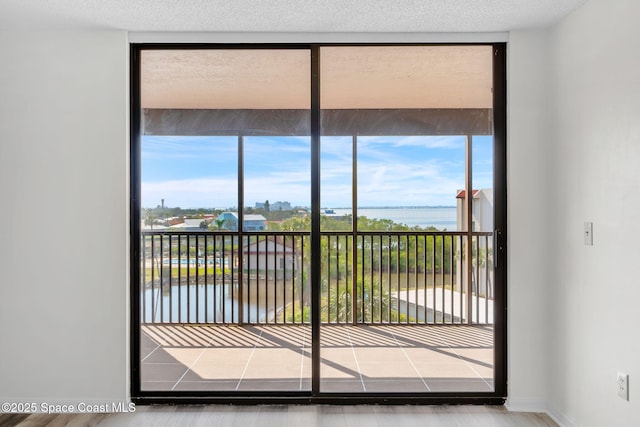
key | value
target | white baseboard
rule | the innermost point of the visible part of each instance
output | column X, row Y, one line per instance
column 540, row 406
column 526, row 405
column 560, row 418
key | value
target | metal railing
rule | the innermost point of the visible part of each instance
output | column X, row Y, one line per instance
column 366, row 277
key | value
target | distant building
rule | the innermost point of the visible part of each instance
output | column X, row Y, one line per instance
column 332, row 214
column 482, row 212
column 254, row 223
column 147, row 227
column 280, row 206
column 269, row 254
column 277, row 206
column 173, row 221
column 482, row 279
column 188, row 225
column 251, row 222
column 230, row 221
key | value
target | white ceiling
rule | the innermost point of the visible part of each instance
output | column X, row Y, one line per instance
column 287, row 15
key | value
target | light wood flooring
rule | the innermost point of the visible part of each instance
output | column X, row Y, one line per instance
column 291, row 415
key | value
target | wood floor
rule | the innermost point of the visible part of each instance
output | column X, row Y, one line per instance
column 291, row 415
column 463, row 349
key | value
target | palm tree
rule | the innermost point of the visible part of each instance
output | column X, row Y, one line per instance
column 372, row 302
column 150, row 220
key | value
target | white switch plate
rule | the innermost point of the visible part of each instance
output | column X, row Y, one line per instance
column 623, row 385
column 588, row 233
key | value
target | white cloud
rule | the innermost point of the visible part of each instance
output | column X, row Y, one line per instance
column 388, row 175
column 427, row 142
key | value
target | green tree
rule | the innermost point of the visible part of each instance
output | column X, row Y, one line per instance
column 150, row 220
column 296, row 224
column 219, row 223
column 411, row 251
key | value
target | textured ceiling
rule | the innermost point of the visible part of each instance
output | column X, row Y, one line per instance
column 287, row 15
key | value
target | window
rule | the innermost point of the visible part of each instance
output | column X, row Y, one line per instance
column 333, row 203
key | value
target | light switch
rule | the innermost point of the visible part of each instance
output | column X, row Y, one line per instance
column 588, row 233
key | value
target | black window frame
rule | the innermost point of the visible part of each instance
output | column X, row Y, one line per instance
column 315, row 396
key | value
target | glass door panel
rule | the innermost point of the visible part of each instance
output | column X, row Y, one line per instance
column 401, row 264
column 228, row 164
column 225, row 190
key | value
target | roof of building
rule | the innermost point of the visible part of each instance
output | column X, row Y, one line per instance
column 270, row 242
column 462, row 194
column 189, row 223
column 145, row 227
column 247, row 217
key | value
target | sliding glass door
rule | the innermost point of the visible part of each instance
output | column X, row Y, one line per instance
column 225, row 159
column 318, row 222
column 406, row 271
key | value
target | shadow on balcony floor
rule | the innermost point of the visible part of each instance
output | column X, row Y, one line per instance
column 393, row 358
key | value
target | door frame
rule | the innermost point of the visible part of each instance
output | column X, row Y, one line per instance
column 497, row 397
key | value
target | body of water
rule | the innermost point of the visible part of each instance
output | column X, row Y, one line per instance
column 422, row 216
column 178, row 304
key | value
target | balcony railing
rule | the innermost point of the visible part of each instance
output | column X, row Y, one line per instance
column 366, row 277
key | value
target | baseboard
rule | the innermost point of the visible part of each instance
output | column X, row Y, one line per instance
column 539, row 406
column 560, row 418
column 526, row 405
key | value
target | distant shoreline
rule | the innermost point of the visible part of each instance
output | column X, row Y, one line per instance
column 324, row 207
column 396, row 207
column 440, row 217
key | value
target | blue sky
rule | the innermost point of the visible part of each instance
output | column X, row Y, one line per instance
column 392, row 171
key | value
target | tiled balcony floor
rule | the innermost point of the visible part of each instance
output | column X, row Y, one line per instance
column 393, row 358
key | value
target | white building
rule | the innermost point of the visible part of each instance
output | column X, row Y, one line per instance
column 275, row 206
column 482, row 220
column 270, row 255
column 482, row 212
column 280, row 206
column 189, row 224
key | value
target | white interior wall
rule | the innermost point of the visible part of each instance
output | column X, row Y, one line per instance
column 63, row 183
column 594, row 151
column 64, row 170
column 63, row 186
column 528, row 252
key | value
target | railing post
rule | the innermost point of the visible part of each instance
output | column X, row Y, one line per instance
column 240, row 234
column 469, row 208
column 354, row 230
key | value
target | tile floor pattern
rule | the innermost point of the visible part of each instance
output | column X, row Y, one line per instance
column 389, row 358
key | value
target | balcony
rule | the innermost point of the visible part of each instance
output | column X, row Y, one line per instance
column 400, row 311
